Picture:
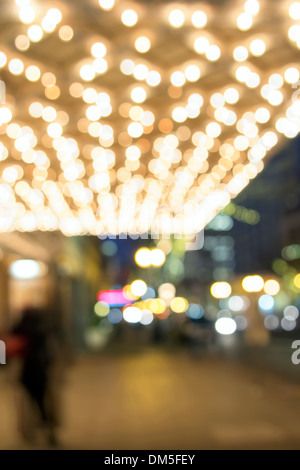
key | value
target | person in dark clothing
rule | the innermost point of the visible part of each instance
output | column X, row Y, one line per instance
column 36, row 365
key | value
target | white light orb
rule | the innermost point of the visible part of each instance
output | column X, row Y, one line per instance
column 225, row 326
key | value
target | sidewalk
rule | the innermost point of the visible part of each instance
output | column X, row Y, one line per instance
column 169, row 400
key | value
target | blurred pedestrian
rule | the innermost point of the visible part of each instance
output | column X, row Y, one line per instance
column 37, row 358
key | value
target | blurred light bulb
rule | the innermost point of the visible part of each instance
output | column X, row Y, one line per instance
column 138, row 288
column 253, row 283
column 16, row 66
column 129, row 18
column 257, row 47
column 199, row 19
column 244, row 21
column 220, row 290
column 240, row 53
column 225, row 326
column 176, row 18
column 158, row 257
column 142, row 44
column 98, row 50
column 107, row 4
column 178, row 78
column 291, row 75
column 143, row 257
column 27, row 14
column 138, row 94
column 179, row 304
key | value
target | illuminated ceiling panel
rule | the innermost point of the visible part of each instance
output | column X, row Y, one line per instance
column 137, row 117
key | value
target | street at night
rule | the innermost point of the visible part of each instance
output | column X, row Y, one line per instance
column 170, row 400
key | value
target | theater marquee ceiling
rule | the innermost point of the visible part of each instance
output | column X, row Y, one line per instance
column 118, row 116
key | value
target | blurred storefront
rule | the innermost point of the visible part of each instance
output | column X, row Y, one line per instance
column 51, row 272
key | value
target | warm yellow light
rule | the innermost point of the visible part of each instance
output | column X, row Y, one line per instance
column 101, row 309
column 52, row 92
column 138, row 94
column 133, row 153
column 3, row 59
column 153, row 78
column 128, row 294
column 27, row 14
column 36, row 109
column 240, row 53
column 66, row 33
column 22, row 42
column 176, row 18
column 213, row 129
column 201, row 45
column 33, row 73
column 54, row 130
column 76, row 89
column 262, row 115
column 276, row 80
column 275, row 97
column 156, row 158
column 135, row 129
column 178, row 78
column 147, row 118
column 10, row 174
column 100, row 65
column 220, row 290
column 257, row 47
column 179, row 114
column 167, row 292
column 16, row 66
column 140, row 72
column 297, row 281
column 192, row 73
column 48, row 79
column 272, row 287
column 49, row 114
column 138, row 288
column 87, row 72
column 199, row 19
column 294, row 11
column 35, row 33
column 13, row 131
column 106, row 4
column 179, row 304
column 252, row 7
column 48, row 24
column 129, row 18
column 253, row 283
column 127, row 66
column 241, row 143
column 291, row 75
column 93, row 113
column 135, row 113
column 244, row 21
column 143, row 257
column 157, row 306
column 54, row 15
column 217, row 100
column 213, row 53
column 142, row 44
column 98, row 50
column 157, row 257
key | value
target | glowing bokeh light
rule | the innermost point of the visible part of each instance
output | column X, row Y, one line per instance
column 253, row 283
column 225, row 326
column 220, row 290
